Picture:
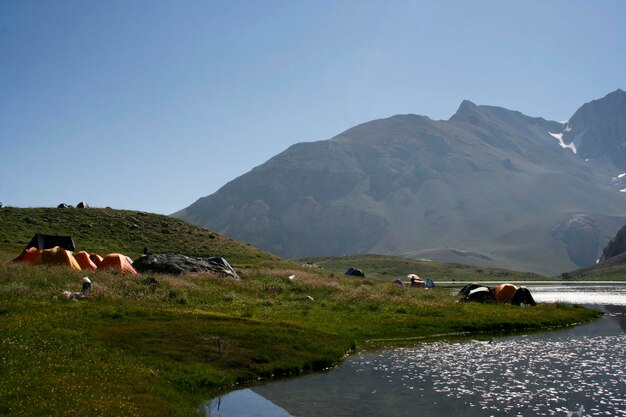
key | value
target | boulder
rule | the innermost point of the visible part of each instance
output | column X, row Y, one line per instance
column 176, row 264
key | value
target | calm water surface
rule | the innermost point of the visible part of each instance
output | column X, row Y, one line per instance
column 580, row 369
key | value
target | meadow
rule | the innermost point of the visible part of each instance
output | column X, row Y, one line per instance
column 159, row 345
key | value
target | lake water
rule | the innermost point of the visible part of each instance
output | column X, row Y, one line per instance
column 576, row 371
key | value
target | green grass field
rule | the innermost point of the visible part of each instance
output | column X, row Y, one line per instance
column 393, row 267
column 158, row 345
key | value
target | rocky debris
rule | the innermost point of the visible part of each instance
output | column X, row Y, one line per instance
column 616, row 246
column 71, row 296
column 613, row 254
column 581, row 238
column 176, row 264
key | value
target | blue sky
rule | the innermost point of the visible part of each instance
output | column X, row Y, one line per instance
column 150, row 105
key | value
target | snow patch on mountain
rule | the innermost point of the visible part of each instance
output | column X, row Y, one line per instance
column 559, row 137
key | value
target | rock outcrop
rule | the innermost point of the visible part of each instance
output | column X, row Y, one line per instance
column 177, row 264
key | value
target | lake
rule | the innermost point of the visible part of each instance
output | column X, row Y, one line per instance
column 575, row 371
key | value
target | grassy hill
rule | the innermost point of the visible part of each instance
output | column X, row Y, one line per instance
column 106, row 230
column 159, row 345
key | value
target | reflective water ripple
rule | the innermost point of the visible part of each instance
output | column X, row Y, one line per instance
column 517, row 377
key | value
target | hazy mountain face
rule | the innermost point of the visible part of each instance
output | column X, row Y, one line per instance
column 598, row 129
column 489, row 187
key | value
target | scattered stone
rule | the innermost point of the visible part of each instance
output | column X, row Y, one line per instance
column 309, row 298
column 71, row 296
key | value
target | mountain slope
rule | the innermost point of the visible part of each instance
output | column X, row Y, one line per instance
column 489, row 187
column 598, row 129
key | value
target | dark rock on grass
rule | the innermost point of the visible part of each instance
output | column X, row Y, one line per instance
column 176, row 264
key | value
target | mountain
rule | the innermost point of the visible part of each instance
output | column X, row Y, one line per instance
column 598, row 129
column 610, row 265
column 488, row 187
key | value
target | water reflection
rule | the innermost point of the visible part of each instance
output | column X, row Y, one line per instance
column 548, row 374
column 242, row 403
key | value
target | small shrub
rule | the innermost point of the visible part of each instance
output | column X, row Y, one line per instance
column 274, row 288
column 230, row 297
column 177, row 296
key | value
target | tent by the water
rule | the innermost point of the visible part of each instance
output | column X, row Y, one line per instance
column 119, row 262
column 480, row 294
column 522, row 297
column 504, row 292
column 41, row 242
column 469, row 287
column 429, row 283
column 355, row 272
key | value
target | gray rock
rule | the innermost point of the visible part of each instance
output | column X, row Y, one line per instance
column 176, row 264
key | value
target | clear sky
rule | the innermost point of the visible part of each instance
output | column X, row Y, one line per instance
column 150, row 105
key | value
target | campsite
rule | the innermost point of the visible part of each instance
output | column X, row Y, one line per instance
column 157, row 344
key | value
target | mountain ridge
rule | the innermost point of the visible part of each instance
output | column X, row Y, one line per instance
column 489, row 186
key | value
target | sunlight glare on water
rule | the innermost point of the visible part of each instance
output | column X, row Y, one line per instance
column 593, row 294
column 517, row 376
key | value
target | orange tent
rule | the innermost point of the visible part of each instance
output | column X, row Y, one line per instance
column 504, row 292
column 84, row 260
column 58, row 256
column 95, row 258
column 28, row 255
column 117, row 261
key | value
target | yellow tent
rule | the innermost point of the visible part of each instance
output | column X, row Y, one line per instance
column 57, row 256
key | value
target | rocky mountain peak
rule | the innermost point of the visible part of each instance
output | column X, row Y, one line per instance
column 467, row 112
column 598, row 129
